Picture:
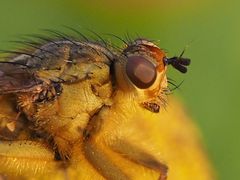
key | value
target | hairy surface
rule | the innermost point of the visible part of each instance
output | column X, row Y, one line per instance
column 70, row 111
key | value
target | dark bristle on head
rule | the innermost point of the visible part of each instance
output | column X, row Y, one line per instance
column 178, row 63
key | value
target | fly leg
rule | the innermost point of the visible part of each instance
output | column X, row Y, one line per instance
column 26, row 158
column 138, row 156
column 97, row 155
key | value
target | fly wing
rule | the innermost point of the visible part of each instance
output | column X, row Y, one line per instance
column 16, row 78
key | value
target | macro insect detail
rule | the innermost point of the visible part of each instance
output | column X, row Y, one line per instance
column 71, row 103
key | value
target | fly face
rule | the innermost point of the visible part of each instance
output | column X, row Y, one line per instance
column 142, row 70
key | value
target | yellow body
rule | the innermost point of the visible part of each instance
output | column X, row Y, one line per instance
column 170, row 136
column 100, row 125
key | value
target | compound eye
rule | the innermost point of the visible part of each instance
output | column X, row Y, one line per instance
column 141, row 72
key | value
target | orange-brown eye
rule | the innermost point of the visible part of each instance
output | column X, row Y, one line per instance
column 141, row 72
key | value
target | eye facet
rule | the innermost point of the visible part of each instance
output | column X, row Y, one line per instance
column 141, row 72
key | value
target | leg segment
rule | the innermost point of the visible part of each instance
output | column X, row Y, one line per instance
column 137, row 155
column 100, row 160
column 26, row 158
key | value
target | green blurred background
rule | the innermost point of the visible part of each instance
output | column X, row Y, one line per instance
column 210, row 29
